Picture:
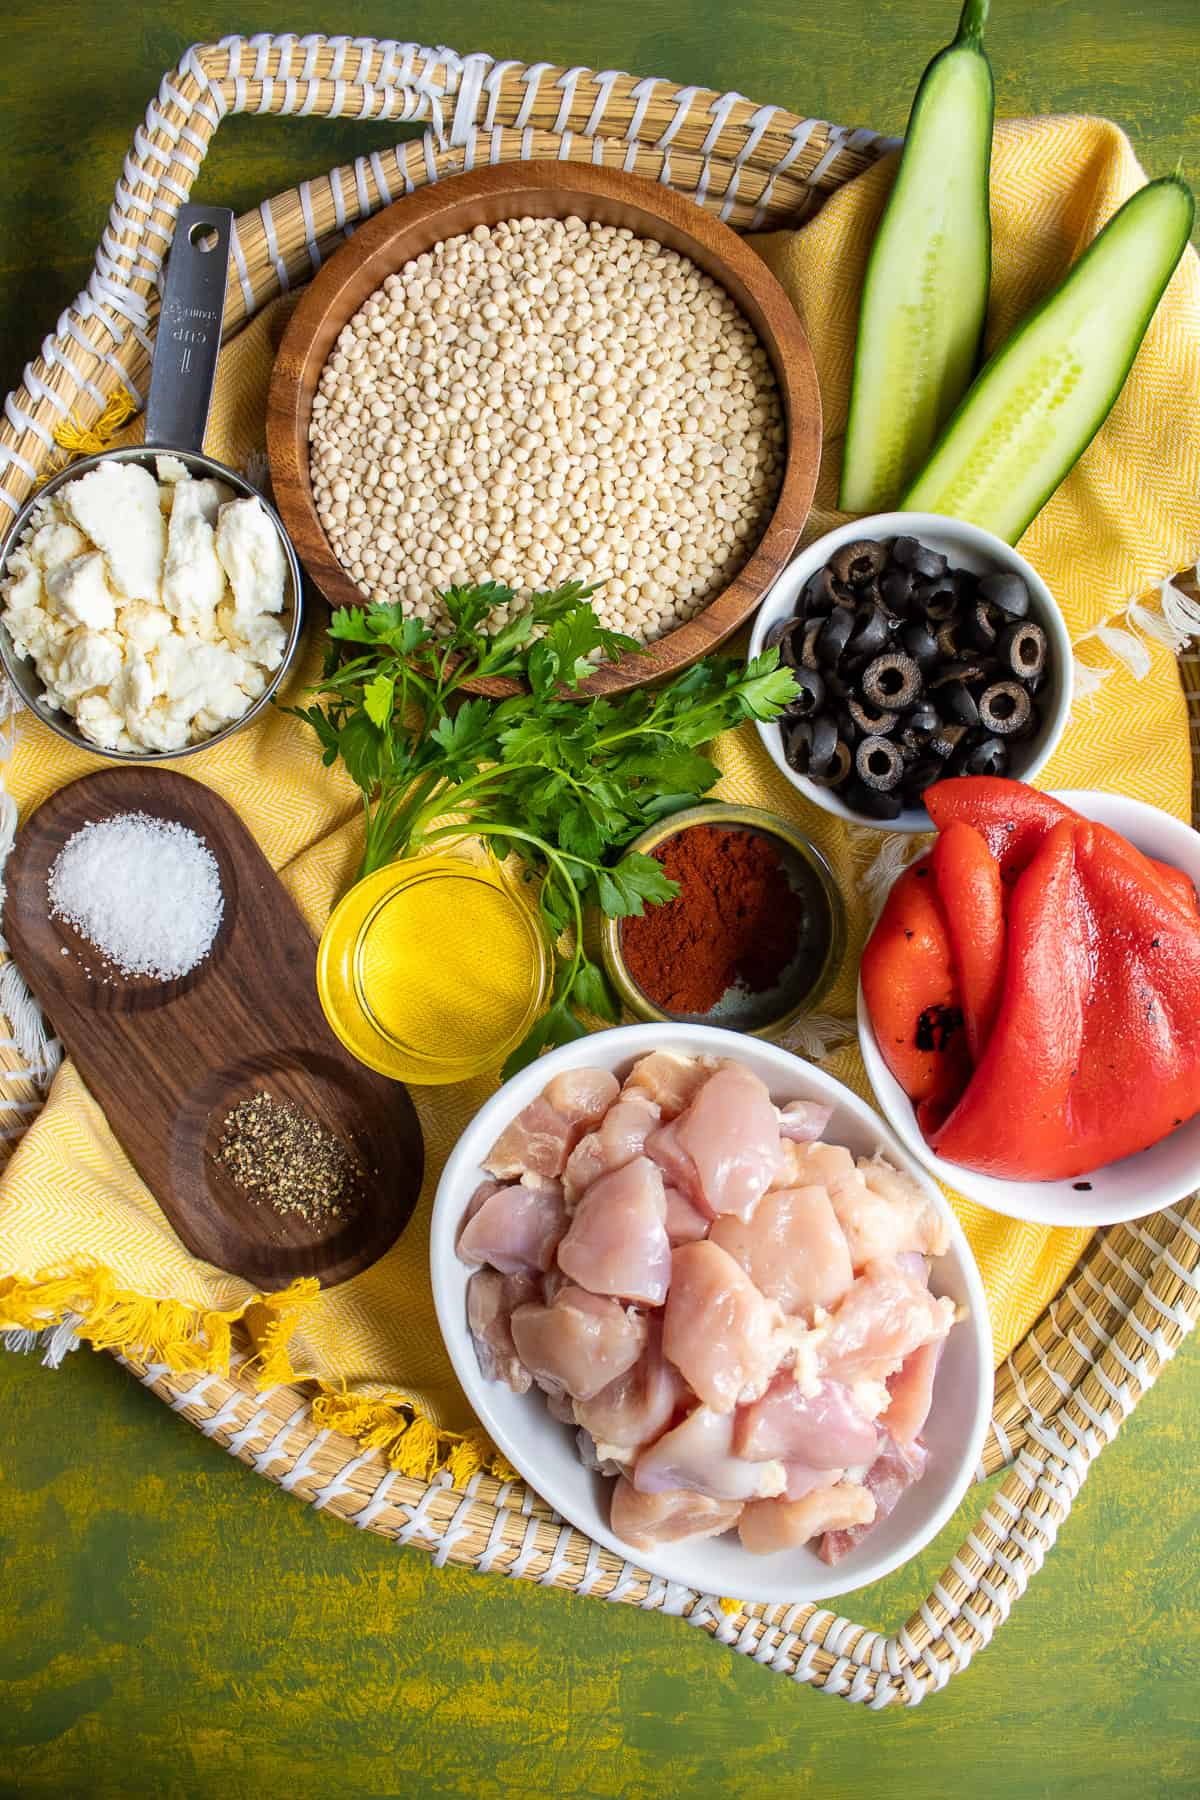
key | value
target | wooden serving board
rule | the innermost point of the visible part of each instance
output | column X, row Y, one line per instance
column 167, row 1060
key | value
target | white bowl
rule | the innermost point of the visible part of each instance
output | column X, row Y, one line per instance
column 968, row 547
column 1128, row 1189
column 544, row 1450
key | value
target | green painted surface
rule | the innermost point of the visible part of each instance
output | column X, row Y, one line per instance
column 172, row 1626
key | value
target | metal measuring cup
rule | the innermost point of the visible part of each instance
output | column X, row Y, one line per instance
column 181, row 384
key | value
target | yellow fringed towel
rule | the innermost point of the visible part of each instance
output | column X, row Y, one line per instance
column 80, row 1236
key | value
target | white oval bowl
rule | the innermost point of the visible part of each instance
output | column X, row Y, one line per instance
column 1129, row 1189
column 968, row 547
column 544, row 1450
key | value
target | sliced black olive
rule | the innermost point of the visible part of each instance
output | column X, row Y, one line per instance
column 988, row 757
column 797, row 741
column 823, row 744
column 812, row 631
column 921, row 775
column 896, row 586
column 956, row 702
column 870, row 719
column 810, row 695
column 857, row 562
column 820, row 594
column 837, row 686
column 876, row 803
column 879, row 764
column 912, row 554
column 980, row 630
column 967, row 669
column 946, row 739
column 1008, row 592
column 1022, row 648
column 938, row 602
column 920, row 643
column 947, row 639
column 838, row 769
column 834, row 636
column 923, row 719
column 892, row 682
column 791, row 643
column 1004, row 708
column 871, row 633
column 777, row 633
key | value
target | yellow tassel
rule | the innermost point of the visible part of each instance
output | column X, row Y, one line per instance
column 78, row 439
column 185, row 1338
column 271, row 1320
column 729, row 1606
column 411, row 1442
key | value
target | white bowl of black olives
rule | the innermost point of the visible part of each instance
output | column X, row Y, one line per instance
column 924, row 647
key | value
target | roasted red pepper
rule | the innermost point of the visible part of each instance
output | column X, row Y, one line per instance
column 1014, row 819
column 912, row 995
column 971, row 896
column 1095, row 1052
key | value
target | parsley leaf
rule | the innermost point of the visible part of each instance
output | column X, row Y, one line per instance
column 564, row 783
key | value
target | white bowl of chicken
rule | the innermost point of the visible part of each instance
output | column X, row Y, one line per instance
column 704, row 1300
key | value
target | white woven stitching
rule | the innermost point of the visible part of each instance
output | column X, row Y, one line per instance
column 532, row 80
column 472, row 75
column 275, row 1451
column 605, row 82
column 340, row 1482
column 303, row 1462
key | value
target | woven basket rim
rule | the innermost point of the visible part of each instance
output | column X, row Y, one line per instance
column 1064, row 1391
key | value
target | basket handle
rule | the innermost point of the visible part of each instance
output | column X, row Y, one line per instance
column 105, row 339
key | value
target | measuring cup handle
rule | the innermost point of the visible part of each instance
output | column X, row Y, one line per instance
column 189, row 328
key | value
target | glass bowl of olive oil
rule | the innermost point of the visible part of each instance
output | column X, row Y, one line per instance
column 433, row 969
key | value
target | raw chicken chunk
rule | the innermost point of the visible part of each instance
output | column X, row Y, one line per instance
column 590, row 1457
column 911, row 1393
column 802, row 1480
column 884, row 1213
column 515, row 1227
column 718, row 1329
column 723, row 1152
column 544, row 1133
column 885, row 1317
column 792, row 1248
column 698, row 1454
column 491, row 1298
column 617, row 1241
column 638, row 1406
column 814, row 1164
column 671, row 1081
column 803, row 1121
column 769, row 1525
column 620, row 1136
column 644, row 1520
column 579, row 1343
column 889, row 1478
column 685, row 1222
column 825, row 1430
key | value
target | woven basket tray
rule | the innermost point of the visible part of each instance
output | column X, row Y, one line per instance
column 1061, row 1396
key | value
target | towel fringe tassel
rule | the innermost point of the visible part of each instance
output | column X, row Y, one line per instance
column 188, row 1339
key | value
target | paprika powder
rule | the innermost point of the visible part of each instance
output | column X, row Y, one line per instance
column 735, row 921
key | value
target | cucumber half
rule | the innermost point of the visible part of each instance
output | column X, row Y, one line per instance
column 1041, row 399
column 924, row 299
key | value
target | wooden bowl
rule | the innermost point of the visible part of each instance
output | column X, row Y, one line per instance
column 550, row 190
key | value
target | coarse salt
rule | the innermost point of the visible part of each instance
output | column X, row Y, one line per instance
column 145, row 892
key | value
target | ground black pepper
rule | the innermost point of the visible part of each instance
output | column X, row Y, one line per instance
column 279, row 1154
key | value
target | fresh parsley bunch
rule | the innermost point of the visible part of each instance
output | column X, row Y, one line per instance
column 563, row 781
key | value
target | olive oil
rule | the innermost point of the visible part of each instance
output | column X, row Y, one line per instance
column 432, row 970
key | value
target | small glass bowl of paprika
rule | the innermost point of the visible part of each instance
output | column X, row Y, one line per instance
column 752, row 940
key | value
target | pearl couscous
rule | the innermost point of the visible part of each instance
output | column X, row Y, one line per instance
column 544, row 400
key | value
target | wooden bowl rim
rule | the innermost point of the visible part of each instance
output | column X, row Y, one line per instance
column 289, row 405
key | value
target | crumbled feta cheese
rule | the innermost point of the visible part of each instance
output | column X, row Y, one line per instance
column 55, row 543
column 89, row 660
column 252, row 557
column 78, row 592
column 193, row 579
column 186, row 654
column 116, row 506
